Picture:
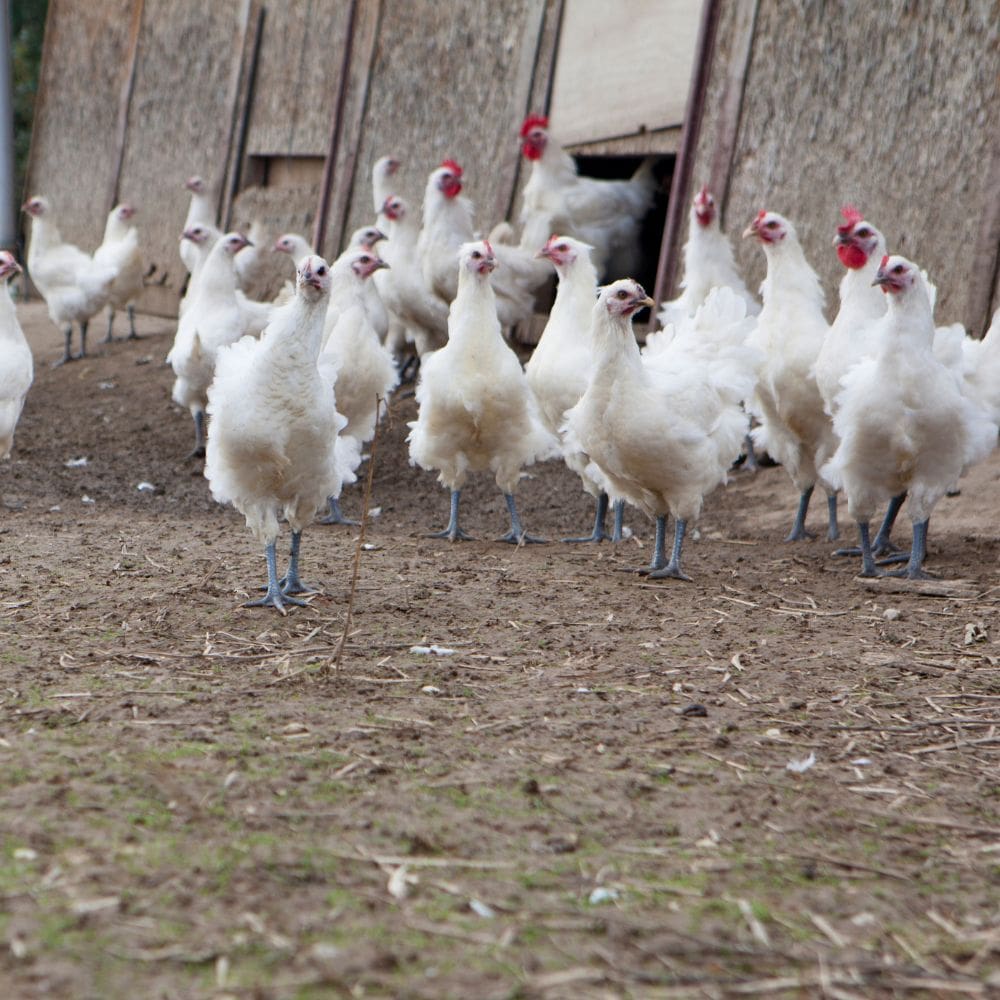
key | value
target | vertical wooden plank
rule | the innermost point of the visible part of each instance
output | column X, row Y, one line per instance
column 730, row 105
column 336, row 132
column 242, row 103
column 680, row 186
column 125, row 100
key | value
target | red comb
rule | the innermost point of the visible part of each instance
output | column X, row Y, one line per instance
column 761, row 214
column 885, row 260
column 851, row 218
column 489, row 248
column 452, row 166
column 533, row 121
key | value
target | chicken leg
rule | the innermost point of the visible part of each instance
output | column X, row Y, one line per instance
column 659, row 544
column 111, row 326
column 198, row 451
column 517, row 535
column 336, row 515
column 130, row 310
column 291, row 582
column 453, row 532
column 673, row 568
column 274, row 598
column 881, row 546
column 599, row 534
column 918, row 552
column 798, row 532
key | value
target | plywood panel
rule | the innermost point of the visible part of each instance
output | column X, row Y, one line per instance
column 894, row 107
column 76, row 113
column 622, row 68
column 448, row 81
column 182, row 115
column 296, row 80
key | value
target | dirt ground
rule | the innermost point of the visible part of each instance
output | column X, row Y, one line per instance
column 588, row 795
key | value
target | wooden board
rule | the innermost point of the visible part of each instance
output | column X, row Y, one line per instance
column 296, row 79
column 622, row 68
column 182, row 116
column 76, row 113
column 893, row 108
column 447, row 81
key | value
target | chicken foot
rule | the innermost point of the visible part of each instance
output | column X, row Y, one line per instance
column 798, row 532
column 517, row 535
column 274, row 598
column 453, row 532
column 881, row 545
column 336, row 515
column 672, row 568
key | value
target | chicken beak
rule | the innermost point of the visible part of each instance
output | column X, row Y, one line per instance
column 841, row 240
column 750, row 230
column 380, row 265
column 647, row 301
column 881, row 278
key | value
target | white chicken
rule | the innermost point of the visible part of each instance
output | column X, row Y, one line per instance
column 354, row 361
column 422, row 313
column 708, row 264
column 201, row 211
column 560, row 365
column 272, row 438
column 607, row 214
column 212, row 319
column 120, row 250
column 476, row 410
column 794, row 428
column 904, row 424
column 16, row 367
column 384, row 172
column 448, row 224
column 663, row 429
column 851, row 336
column 75, row 286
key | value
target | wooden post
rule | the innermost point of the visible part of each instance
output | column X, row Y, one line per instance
column 333, row 148
column 680, row 186
column 125, row 101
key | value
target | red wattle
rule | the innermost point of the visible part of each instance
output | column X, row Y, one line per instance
column 531, row 151
column 852, row 256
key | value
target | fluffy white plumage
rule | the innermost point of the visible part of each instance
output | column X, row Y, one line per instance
column 384, row 172
column 664, row 428
column 272, row 438
column 448, row 224
column 476, row 410
column 794, row 427
column 560, row 367
column 606, row 214
column 75, row 286
column 860, row 247
column 902, row 419
column 708, row 264
column 352, row 358
column 16, row 367
column 201, row 211
column 422, row 313
column 120, row 250
column 212, row 319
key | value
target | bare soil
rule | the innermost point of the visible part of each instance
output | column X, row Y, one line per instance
column 589, row 797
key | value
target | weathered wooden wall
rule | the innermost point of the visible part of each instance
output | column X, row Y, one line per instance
column 448, row 80
column 180, row 121
column 892, row 106
column 76, row 113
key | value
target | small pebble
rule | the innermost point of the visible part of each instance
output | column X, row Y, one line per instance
column 891, row 614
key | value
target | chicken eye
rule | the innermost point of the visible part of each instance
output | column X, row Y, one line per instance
column 623, row 294
column 562, row 248
column 771, row 225
column 476, row 255
column 898, row 269
column 321, row 271
column 864, row 233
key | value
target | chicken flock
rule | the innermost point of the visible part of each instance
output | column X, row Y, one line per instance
column 881, row 405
